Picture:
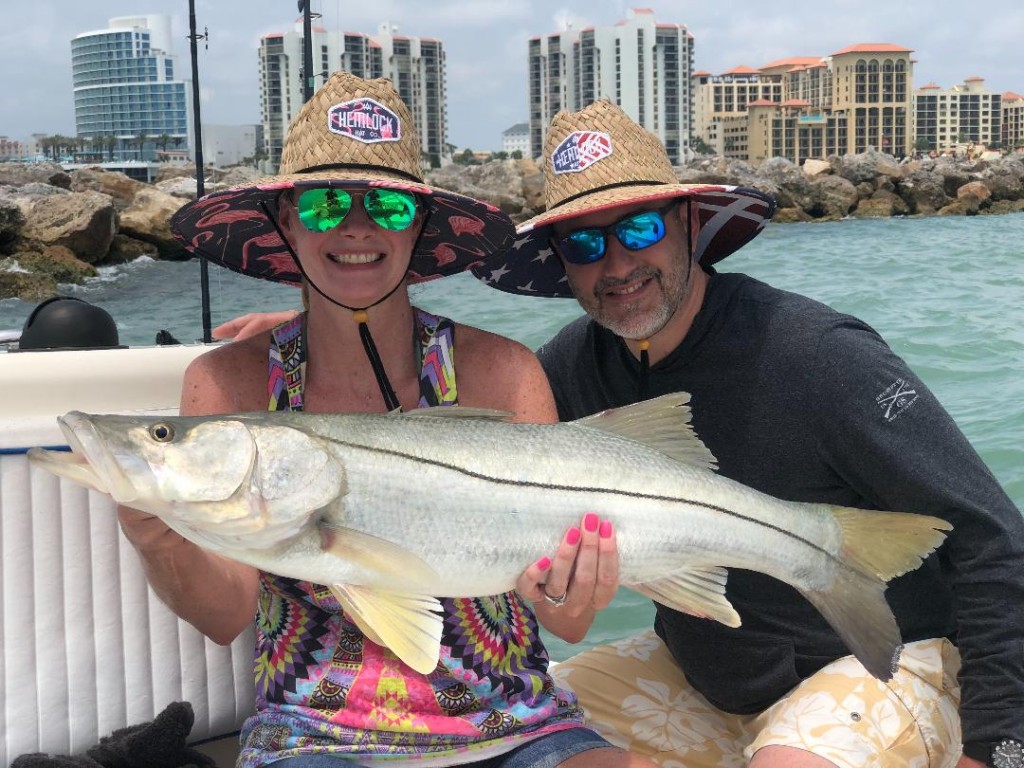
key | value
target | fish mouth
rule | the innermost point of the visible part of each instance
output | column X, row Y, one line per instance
column 89, row 462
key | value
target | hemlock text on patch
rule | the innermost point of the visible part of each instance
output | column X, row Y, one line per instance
column 579, row 150
column 364, row 120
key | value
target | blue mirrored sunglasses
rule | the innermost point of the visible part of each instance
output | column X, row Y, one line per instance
column 636, row 231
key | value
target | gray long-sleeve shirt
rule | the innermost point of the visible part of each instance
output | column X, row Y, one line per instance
column 807, row 404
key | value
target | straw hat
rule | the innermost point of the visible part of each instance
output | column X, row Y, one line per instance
column 356, row 133
column 599, row 158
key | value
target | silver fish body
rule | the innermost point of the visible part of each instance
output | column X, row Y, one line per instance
column 394, row 510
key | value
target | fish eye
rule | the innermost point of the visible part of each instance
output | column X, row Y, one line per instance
column 162, row 433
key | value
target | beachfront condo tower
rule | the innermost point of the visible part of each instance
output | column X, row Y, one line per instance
column 128, row 103
column 414, row 64
column 640, row 64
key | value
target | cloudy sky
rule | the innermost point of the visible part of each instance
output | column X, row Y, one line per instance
column 485, row 43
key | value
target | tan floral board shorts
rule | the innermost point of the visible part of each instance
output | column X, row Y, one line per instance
column 637, row 698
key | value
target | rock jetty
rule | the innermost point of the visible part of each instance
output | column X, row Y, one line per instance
column 58, row 226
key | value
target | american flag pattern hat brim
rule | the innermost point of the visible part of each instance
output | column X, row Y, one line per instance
column 598, row 158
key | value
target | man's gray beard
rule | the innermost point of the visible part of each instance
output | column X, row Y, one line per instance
column 638, row 326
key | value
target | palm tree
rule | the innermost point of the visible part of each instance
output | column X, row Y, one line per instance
column 140, row 141
column 162, row 141
column 109, row 142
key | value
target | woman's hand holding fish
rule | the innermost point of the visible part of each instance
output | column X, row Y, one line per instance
column 568, row 591
column 216, row 595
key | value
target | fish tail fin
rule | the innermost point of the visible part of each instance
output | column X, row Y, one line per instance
column 876, row 547
column 855, row 606
column 887, row 544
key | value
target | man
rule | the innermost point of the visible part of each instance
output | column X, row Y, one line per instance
column 797, row 401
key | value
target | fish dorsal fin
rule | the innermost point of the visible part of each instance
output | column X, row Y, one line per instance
column 374, row 554
column 697, row 590
column 458, row 412
column 662, row 423
column 409, row 625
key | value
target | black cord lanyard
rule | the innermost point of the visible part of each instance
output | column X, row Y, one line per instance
column 361, row 318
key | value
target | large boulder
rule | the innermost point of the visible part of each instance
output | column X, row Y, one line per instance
column 499, row 182
column 16, row 282
column 975, row 189
column 922, row 190
column 882, row 204
column 186, row 187
column 963, row 206
column 180, row 186
column 1005, row 178
column 814, row 168
column 532, row 186
column 57, row 262
column 168, row 171
column 125, row 249
column 834, row 197
column 868, row 166
column 235, row 176
column 148, row 219
column 20, row 174
column 11, row 221
column 120, row 187
column 83, row 222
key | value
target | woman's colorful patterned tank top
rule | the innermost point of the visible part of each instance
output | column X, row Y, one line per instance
column 322, row 687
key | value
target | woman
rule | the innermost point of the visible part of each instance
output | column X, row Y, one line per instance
column 351, row 220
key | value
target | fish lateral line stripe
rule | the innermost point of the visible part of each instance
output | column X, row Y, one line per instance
column 612, row 491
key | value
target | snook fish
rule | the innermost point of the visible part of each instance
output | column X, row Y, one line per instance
column 391, row 511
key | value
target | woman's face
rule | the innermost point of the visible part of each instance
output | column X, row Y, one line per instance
column 358, row 261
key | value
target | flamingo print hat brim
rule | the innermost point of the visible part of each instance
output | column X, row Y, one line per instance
column 352, row 133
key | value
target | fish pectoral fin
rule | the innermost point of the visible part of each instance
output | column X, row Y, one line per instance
column 374, row 553
column 662, row 423
column 698, row 591
column 458, row 412
column 410, row 625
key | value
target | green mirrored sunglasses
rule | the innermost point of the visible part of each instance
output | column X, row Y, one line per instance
column 323, row 208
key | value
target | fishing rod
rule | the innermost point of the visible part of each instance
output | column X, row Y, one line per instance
column 307, row 50
column 204, row 267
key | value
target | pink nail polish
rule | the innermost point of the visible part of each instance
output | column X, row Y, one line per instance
column 572, row 536
column 544, row 563
column 606, row 529
column 590, row 522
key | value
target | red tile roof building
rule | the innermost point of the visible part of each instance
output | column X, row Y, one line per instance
column 856, row 98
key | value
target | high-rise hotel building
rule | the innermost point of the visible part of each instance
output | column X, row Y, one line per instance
column 856, row 98
column 1013, row 121
column 965, row 113
column 415, row 65
column 643, row 66
column 127, row 99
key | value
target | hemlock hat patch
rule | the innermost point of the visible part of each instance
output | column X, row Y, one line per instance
column 579, row 150
column 365, row 120
column 353, row 133
column 599, row 158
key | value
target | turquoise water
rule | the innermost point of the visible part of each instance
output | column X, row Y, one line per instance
column 946, row 293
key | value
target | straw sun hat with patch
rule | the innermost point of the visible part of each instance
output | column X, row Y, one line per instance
column 352, row 133
column 599, row 158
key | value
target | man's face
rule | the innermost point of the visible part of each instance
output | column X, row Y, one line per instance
column 634, row 294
